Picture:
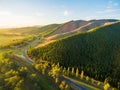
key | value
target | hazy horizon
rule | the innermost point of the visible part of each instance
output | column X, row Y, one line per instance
column 24, row 13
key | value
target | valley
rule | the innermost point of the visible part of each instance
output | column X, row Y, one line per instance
column 77, row 55
column 59, row 44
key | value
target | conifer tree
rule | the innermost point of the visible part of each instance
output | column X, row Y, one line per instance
column 82, row 74
column 72, row 70
column 77, row 72
column 68, row 71
column 64, row 71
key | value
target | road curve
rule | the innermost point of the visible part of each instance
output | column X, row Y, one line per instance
column 78, row 86
column 26, row 57
column 63, row 78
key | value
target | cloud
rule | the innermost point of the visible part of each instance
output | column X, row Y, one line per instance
column 112, row 4
column 108, row 11
column 90, row 17
column 5, row 13
column 11, row 19
column 66, row 13
column 110, row 8
column 110, row 1
column 39, row 14
column 63, row 6
column 116, row 4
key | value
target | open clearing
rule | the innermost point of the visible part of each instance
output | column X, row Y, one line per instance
column 7, row 39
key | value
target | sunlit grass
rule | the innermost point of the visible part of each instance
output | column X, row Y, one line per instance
column 6, row 40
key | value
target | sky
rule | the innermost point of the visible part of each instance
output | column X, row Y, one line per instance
column 19, row 13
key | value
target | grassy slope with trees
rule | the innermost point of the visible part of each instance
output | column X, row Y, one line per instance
column 34, row 30
column 17, row 74
column 15, row 36
column 97, row 52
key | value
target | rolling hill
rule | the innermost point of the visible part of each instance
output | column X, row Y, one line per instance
column 33, row 30
column 9, row 35
column 97, row 52
column 72, row 27
column 53, row 29
column 50, row 32
column 81, row 25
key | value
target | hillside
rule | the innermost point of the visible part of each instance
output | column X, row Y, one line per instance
column 80, row 25
column 97, row 52
column 10, row 35
column 56, row 30
column 34, row 30
column 17, row 74
column 74, row 27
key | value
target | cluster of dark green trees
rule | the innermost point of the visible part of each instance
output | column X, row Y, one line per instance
column 97, row 52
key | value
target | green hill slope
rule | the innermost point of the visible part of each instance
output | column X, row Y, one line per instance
column 74, row 27
column 9, row 35
column 34, row 30
column 17, row 74
column 97, row 52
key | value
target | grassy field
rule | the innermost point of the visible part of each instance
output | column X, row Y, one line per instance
column 7, row 39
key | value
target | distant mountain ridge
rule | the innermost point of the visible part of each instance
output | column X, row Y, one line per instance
column 77, row 26
column 63, row 29
column 72, row 25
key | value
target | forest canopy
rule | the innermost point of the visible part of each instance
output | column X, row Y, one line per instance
column 97, row 52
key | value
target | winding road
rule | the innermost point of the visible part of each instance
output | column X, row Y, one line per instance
column 77, row 86
column 70, row 82
column 26, row 57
